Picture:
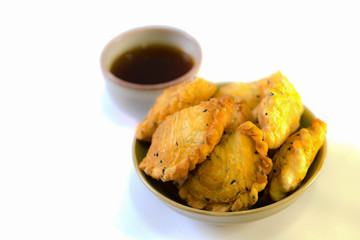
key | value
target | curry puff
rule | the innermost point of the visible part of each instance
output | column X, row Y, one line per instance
column 173, row 99
column 185, row 138
column 279, row 110
column 233, row 175
column 293, row 159
column 275, row 103
column 250, row 92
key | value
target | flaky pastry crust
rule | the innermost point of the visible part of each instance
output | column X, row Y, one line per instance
column 232, row 176
column 173, row 99
column 185, row 138
column 250, row 92
column 293, row 159
column 279, row 110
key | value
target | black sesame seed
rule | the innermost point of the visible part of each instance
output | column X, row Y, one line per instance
column 233, row 181
column 207, row 199
column 262, row 172
column 205, row 110
column 160, row 161
column 163, row 172
column 256, row 152
column 266, row 113
column 177, row 144
column 289, row 149
column 246, row 188
column 272, row 94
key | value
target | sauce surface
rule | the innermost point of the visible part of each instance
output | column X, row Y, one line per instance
column 152, row 64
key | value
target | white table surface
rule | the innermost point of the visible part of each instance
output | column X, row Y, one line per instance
column 65, row 146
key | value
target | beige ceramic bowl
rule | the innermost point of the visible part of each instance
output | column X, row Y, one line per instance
column 168, row 193
column 140, row 97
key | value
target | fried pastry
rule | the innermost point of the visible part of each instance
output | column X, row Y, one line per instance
column 233, row 174
column 250, row 92
column 240, row 114
column 279, row 110
column 185, row 138
column 173, row 99
column 293, row 159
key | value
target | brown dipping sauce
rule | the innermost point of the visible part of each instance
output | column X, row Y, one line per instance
column 155, row 63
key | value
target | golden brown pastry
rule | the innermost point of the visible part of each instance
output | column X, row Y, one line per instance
column 240, row 114
column 279, row 110
column 185, row 138
column 173, row 99
column 250, row 92
column 293, row 159
column 232, row 176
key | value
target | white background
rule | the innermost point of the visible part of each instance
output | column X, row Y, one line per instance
column 65, row 146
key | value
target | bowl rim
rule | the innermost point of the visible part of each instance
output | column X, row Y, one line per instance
column 172, row 30
column 291, row 197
